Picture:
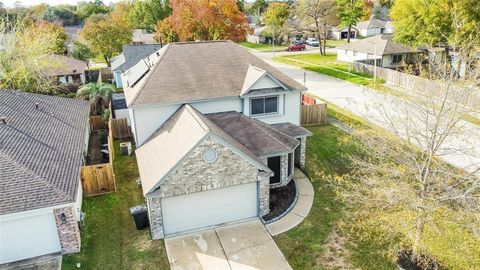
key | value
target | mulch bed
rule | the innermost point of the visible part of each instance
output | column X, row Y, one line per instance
column 280, row 200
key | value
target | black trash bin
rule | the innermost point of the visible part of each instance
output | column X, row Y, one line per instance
column 140, row 216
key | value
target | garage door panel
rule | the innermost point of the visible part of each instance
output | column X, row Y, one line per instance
column 28, row 237
column 208, row 208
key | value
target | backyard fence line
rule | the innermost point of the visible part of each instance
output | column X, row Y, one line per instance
column 411, row 82
column 98, row 179
column 96, row 122
column 314, row 114
column 120, row 128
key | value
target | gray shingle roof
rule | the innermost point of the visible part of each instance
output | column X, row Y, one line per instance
column 199, row 70
column 384, row 42
column 260, row 138
column 64, row 65
column 371, row 23
column 177, row 136
column 41, row 150
column 134, row 53
column 292, row 130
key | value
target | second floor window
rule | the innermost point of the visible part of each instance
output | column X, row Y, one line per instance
column 264, row 105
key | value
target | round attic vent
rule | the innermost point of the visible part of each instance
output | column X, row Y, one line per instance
column 210, row 155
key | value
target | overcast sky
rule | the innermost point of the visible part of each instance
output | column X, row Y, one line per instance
column 9, row 3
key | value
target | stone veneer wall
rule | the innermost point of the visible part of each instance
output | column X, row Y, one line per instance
column 300, row 152
column 196, row 175
column 69, row 232
column 264, row 192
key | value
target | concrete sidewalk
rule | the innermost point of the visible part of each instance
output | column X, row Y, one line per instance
column 243, row 246
column 373, row 105
column 301, row 209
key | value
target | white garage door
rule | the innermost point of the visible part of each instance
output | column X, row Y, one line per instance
column 28, row 237
column 202, row 209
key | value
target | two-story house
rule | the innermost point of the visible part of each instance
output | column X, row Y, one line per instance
column 216, row 129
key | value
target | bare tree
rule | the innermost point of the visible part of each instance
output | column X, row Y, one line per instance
column 317, row 17
column 422, row 179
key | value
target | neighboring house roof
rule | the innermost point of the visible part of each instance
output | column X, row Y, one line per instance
column 41, row 150
column 373, row 23
column 143, row 36
column 64, row 65
column 132, row 54
column 390, row 25
column 384, row 46
column 197, row 71
column 336, row 29
column 177, row 137
column 258, row 137
column 118, row 101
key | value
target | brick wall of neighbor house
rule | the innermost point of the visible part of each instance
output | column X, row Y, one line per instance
column 68, row 233
column 196, row 175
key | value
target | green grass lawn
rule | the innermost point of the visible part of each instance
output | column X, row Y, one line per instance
column 328, row 65
column 109, row 237
column 263, row 47
column 331, row 43
column 305, row 245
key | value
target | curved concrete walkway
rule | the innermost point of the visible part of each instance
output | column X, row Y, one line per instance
column 301, row 209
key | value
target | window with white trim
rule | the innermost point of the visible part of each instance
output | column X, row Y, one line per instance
column 264, row 105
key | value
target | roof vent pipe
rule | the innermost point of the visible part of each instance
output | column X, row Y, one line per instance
column 3, row 120
column 37, row 106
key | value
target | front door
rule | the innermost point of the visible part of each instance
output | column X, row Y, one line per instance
column 274, row 165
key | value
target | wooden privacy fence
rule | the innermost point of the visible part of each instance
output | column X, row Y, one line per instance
column 96, row 122
column 98, row 179
column 120, row 128
column 314, row 114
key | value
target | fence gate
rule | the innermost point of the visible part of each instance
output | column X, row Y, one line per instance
column 98, row 179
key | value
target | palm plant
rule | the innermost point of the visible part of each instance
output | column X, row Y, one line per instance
column 99, row 95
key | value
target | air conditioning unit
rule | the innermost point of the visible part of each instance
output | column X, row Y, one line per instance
column 126, row 148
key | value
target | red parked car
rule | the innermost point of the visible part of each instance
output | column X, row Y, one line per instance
column 296, row 47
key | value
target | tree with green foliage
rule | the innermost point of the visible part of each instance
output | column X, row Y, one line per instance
column 99, row 95
column 24, row 58
column 351, row 11
column 275, row 17
column 85, row 9
column 60, row 14
column 146, row 13
column 257, row 9
column 81, row 51
column 57, row 30
column 436, row 22
column 107, row 36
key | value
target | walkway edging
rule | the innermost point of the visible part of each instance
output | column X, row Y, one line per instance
column 299, row 210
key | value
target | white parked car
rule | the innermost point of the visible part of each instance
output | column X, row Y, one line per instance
column 313, row 42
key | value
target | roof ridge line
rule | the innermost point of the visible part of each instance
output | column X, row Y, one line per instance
column 150, row 72
column 197, row 118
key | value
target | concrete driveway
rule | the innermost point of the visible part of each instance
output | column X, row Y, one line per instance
column 245, row 246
